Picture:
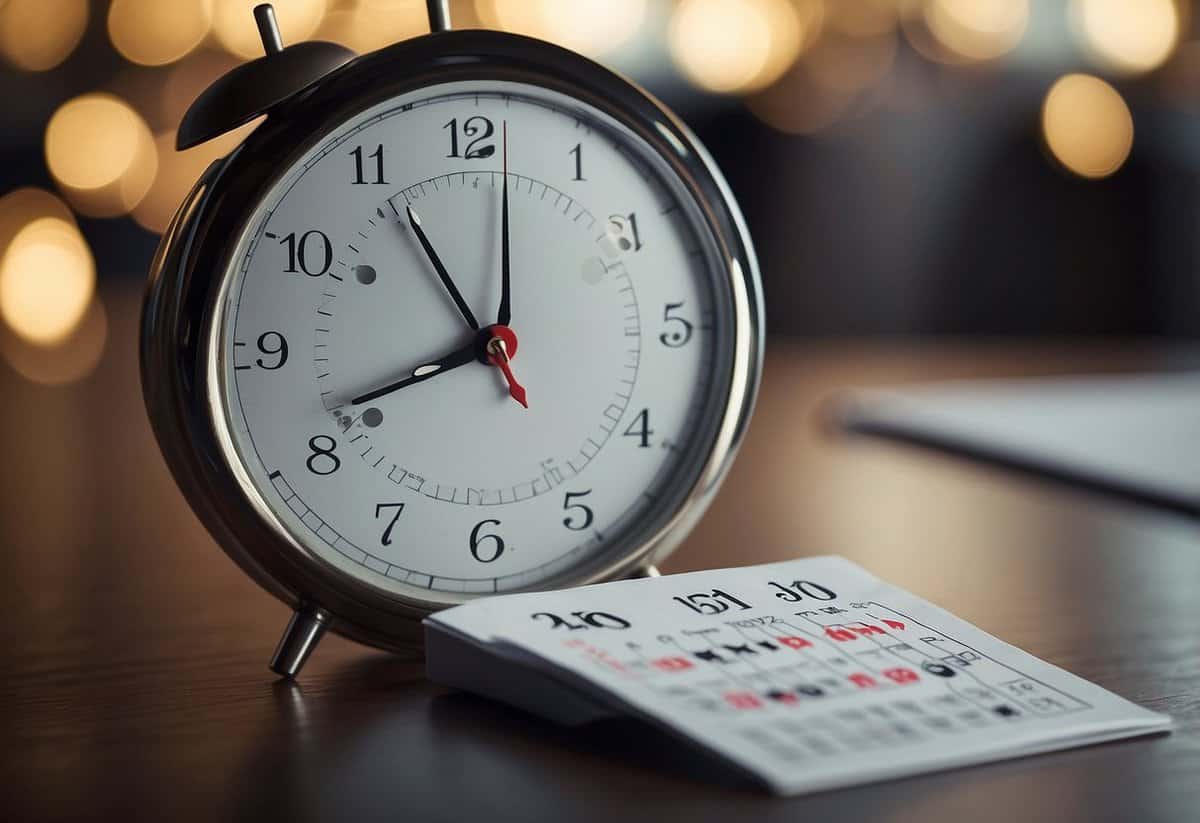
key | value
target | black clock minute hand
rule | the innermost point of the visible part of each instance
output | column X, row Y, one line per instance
column 504, row 315
column 422, row 373
column 414, row 221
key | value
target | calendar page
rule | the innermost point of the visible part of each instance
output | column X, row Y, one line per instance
column 808, row 674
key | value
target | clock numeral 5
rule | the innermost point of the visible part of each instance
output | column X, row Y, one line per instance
column 586, row 516
column 476, row 129
column 311, row 249
column 377, row 156
column 676, row 336
column 480, row 549
column 386, row 538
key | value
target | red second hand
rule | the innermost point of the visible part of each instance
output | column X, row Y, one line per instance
column 498, row 356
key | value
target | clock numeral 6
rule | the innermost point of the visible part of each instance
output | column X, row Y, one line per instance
column 322, row 461
column 476, row 129
column 386, row 538
column 377, row 156
column 640, row 428
column 312, row 248
column 585, row 517
column 479, row 549
column 680, row 333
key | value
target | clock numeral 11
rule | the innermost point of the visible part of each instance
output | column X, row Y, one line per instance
column 377, row 156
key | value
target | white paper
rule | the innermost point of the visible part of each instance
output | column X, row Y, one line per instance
column 809, row 674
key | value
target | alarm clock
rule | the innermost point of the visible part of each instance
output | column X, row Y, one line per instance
column 467, row 315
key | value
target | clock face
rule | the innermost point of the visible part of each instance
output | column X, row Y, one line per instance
column 415, row 424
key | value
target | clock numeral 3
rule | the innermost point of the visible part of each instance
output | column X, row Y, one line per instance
column 475, row 129
column 585, row 517
column 377, row 156
column 386, row 538
column 480, row 550
column 322, row 461
column 312, row 247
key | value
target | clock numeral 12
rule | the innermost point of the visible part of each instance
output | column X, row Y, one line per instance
column 476, row 129
column 377, row 156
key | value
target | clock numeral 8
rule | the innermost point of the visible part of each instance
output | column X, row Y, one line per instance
column 322, row 461
column 479, row 550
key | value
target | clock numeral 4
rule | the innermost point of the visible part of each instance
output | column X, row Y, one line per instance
column 311, row 254
column 483, row 550
column 475, row 130
column 640, row 428
column 386, row 538
column 377, row 156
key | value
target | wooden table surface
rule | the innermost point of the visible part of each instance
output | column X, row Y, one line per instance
column 133, row 678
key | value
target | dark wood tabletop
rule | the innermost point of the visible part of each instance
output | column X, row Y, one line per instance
column 133, row 678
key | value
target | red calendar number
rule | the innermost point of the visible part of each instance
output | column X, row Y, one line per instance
column 863, row 681
column 893, row 624
column 743, row 700
column 901, row 675
column 794, row 642
column 672, row 664
column 867, row 629
column 840, row 635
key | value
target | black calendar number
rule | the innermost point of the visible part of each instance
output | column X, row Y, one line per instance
column 798, row 590
column 714, row 602
column 583, row 620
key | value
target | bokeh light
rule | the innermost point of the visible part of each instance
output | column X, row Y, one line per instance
column 729, row 46
column 1087, row 125
column 154, row 32
column 236, row 31
column 71, row 358
column 1124, row 36
column 37, row 35
column 373, row 24
column 101, row 153
column 591, row 27
column 47, row 277
column 977, row 29
column 22, row 206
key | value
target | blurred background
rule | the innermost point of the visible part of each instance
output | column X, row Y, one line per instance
column 907, row 167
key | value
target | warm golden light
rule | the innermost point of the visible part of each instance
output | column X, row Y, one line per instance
column 591, row 27
column 46, row 280
column 373, row 24
column 154, row 32
column 234, row 27
column 72, row 358
column 1087, row 125
column 735, row 45
column 101, row 153
column 1127, row 36
column 22, row 206
column 862, row 17
column 978, row 29
column 37, row 35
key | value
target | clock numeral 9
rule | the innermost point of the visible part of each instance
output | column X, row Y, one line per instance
column 312, row 247
column 676, row 336
column 322, row 461
column 476, row 129
column 277, row 348
column 577, row 523
column 479, row 549
column 640, row 428
column 377, row 156
column 386, row 538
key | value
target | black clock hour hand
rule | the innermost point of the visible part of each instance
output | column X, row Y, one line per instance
column 422, row 373
column 504, row 315
column 414, row 221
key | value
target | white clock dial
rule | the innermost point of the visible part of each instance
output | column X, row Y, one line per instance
column 364, row 389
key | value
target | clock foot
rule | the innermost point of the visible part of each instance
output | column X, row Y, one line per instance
column 649, row 570
column 300, row 637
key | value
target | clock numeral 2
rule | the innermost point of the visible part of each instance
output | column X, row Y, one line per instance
column 377, row 156
column 301, row 252
column 480, row 549
column 476, row 129
column 386, row 538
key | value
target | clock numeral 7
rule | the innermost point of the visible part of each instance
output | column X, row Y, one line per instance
column 386, row 538
column 377, row 156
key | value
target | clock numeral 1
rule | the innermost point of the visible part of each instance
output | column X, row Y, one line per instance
column 640, row 428
column 578, row 152
column 386, row 538
column 301, row 253
column 480, row 550
column 476, row 129
column 377, row 156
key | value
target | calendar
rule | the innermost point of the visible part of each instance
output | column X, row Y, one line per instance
column 804, row 675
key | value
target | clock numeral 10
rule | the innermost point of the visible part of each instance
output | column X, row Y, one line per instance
column 312, row 248
column 377, row 156
column 475, row 129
